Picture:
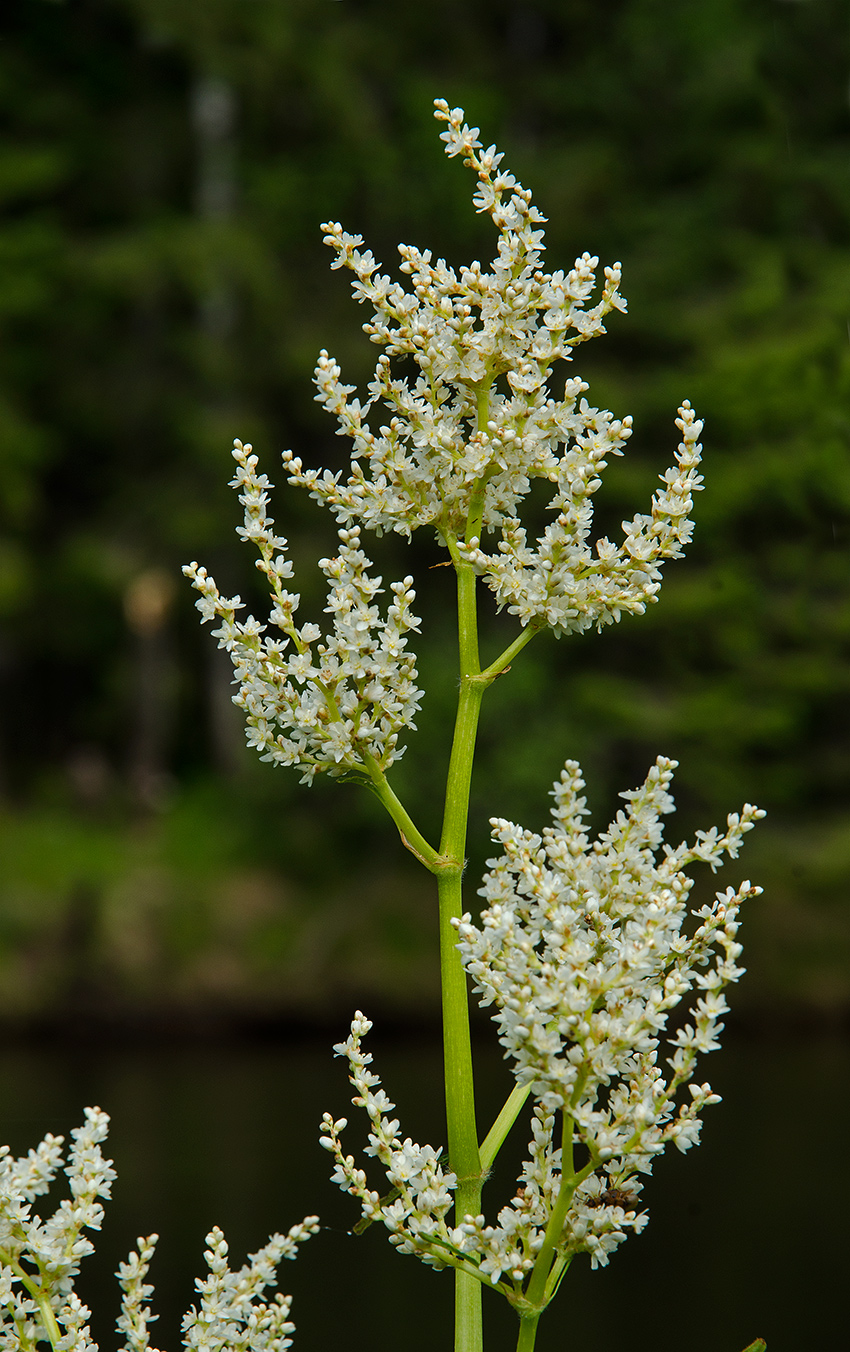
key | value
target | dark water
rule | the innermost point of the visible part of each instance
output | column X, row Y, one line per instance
column 748, row 1234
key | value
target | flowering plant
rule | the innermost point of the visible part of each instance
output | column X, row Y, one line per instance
column 584, row 949
column 39, row 1259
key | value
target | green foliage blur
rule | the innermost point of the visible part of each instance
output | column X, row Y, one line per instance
column 164, row 288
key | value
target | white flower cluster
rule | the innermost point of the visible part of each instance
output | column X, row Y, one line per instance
column 421, row 1196
column 327, row 705
column 584, row 951
column 39, row 1260
column 465, row 439
column 562, row 582
column 414, row 1211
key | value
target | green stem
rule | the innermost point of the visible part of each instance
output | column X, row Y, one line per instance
column 408, row 830
column 48, row 1318
column 457, row 1047
column 466, row 1161
column 460, row 1094
column 482, row 402
column 464, row 1156
column 527, row 1331
column 495, row 1137
column 547, row 1273
column 503, row 661
column 569, row 1182
column 559, row 1267
column 460, row 1105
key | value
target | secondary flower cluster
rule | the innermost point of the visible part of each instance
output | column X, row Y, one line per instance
column 39, row 1260
column 584, row 952
column 467, row 436
column 330, row 705
column 421, row 1195
column 414, row 1211
column 563, row 583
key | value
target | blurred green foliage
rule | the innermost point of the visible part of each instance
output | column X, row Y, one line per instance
column 163, row 287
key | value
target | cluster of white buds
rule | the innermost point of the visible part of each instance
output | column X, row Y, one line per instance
column 421, row 1192
column 564, row 584
column 329, row 705
column 40, row 1258
column 232, row 1314
column 584, row 951
column 414, row 1210
column 466, row 438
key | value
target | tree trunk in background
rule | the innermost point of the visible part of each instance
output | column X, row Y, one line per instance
column 213, row 118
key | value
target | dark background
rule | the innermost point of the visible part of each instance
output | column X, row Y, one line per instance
column 163, row 287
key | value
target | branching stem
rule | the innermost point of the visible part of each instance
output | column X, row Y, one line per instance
column 410, row 834
column 48, row 1318
column 492, row 1143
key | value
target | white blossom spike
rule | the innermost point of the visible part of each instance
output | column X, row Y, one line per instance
column 583, row 952
column 323, row 703
column 480, row 421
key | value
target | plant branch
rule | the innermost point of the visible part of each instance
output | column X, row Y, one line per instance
column 411, row 836
column 42, row 1300
column 493, row 1141
column 500, row 665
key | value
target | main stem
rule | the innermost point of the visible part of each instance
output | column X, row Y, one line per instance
column 457, row 1047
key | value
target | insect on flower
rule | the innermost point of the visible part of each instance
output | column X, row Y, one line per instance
column 615, row 1197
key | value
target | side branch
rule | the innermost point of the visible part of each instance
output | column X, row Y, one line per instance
column 411, row 837
column 495, row 1138
column 501, row 664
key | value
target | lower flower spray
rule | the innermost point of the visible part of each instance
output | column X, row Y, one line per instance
column 584, row 949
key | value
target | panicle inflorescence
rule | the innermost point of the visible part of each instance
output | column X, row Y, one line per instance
column 462, row 443
column 331, row 703
column 232, row 1313
column 583, row 950
column 467, row 436
column 39, row 1260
